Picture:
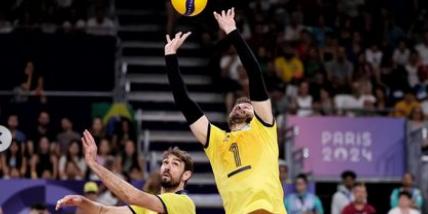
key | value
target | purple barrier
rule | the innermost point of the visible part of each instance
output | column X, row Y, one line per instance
column 17, row 196
column 372, row 147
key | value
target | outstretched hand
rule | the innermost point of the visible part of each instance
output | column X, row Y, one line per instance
column 89, row 147
column 173, row 44
column 70, row 201
column 226, row 20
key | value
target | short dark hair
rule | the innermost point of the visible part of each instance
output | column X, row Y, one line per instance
column 406, row 194
column 302, row 176
column 348, row 173
column 182, row 155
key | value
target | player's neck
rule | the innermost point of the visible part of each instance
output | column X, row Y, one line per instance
column 239, row 127
column 172, row 190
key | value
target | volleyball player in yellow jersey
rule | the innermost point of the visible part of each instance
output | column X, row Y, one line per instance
column 244, row 160
column 176, row 170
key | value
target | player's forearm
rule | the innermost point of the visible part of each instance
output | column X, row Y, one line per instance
column 190, row 109
column 122, row 189
column 258, row 90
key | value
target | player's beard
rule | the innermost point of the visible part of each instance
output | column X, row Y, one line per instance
column 170, row 183
column 236, row 118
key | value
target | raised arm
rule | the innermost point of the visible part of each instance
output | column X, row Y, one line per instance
column 197, row 121
column 123, row 190
column 258, row 93
column 87, row 206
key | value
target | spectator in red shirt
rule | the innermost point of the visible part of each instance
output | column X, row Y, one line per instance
column 359, row 205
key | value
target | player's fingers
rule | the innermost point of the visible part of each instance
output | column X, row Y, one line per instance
column 178, row 35
column 186, row 35
column 233, row 12
column 229, row 12
column 168, row 38
column 223, row 13
column 216, row 15
column 90, row 137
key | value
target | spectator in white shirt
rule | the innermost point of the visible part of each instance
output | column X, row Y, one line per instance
column 412, row 67
column 293, row 30
column 344, row 195
column 374, row 56
column 404, row 205
column 422, row 49
column 304, row 100
column 401, row 54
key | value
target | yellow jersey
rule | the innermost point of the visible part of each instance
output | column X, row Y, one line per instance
column 245, row 166
column 173, row 203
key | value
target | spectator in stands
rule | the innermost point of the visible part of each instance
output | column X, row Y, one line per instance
column 101, row 25
column 381, row 100
column 293, row 30
column 422, row 49
column 97, row 129
column 405, row 106
column 303, row 202
column 320, row 32
column 67, row 135
column 288, row 66
column 72, row 171
column 12, row 125
column 408, row 186
column 72, row 161
column 304, row 100
column 405, row 204
column 91, row 190
column 343, row 196
column 283, row 173
column 374, row 56
column 313, row 64
column 401, row 54
column 31, row 81
column 412, row 66
column 340, row 70
column 359, row 205
column 416, row 119
column 13, row 160
column 125, row 132
column 43, row 128
column 104, row 154
column 129, row 160
column 324, row 105
column 44, row 164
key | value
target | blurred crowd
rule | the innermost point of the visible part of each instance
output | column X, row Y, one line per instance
column 347, row 57
column 54, row 151
column 50, row 16
column 353, row 197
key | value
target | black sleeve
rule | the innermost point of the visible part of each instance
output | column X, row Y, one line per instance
column 258, row 90
column 190, row 109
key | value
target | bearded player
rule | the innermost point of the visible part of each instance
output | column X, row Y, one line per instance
column 176, row 170
column 245, row 160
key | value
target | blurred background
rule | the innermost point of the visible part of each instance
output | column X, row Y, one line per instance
column 348, row 80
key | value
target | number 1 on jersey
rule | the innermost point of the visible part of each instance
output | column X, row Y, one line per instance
column 235, row 150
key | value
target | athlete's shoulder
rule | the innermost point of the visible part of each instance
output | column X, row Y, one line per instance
column 177, row 203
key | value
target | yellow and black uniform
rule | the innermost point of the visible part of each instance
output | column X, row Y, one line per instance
column 245, row 166
column 173, row 203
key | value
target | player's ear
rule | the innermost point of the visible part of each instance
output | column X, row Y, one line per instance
column 186, row 175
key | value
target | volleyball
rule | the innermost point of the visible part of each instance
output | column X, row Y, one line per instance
column 189, row 7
